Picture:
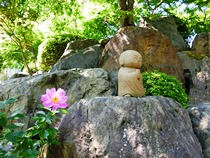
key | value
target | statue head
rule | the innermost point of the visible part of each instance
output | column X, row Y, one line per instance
column 130, row 58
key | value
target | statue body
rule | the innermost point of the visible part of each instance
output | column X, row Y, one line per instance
column 130, row 82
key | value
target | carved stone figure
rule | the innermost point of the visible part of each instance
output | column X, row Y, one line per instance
column 130, row 81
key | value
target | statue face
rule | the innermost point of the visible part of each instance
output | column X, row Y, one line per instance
column 130, row 58
column 136, row 60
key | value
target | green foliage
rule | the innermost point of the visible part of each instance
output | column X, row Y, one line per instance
column 20, row 41
column 11, row 54
column 99, row 28
column 193, row 15
column 161, row 84
column 52, row 49
column 24, row 22
column 26, row 142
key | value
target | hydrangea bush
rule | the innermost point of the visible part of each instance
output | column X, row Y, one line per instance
column 16, row 142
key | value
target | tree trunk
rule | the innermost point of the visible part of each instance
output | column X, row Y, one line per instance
column 25, row 63
column 126, row 6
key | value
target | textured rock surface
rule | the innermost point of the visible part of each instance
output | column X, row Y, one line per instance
column 78, row 84
column 168, row 27
column 200, row 117
column 73, row 46
column 82, row 58
column 125, row 127
column 156, row 49
column 197, row 76
column 201, row 44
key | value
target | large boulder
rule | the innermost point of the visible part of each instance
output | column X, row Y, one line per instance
column 157, row 51
column 200, row 117
column 201, row 44
column 168, row 27
column 82, row 58
column 78, row 83
column 111, row 127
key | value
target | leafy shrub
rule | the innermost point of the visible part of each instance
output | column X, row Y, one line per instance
column 18, row 142
column 52, row 49
column 161, row 84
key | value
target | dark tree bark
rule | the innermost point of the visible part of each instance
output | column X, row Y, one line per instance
column 126, row 18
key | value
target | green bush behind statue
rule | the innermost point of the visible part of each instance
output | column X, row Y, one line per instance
column 160, row 84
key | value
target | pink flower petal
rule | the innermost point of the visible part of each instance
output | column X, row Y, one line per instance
column 46, row 104
column 60, row 93
column 51, row 92
column 43, row 97
column 63, row 99
column 63, row 105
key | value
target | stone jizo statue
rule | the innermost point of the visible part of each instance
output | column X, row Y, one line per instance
column 130, row 82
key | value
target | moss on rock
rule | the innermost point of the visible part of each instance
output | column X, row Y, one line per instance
column 194, row 55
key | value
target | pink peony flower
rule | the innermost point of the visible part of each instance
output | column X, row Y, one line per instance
column 54, row 99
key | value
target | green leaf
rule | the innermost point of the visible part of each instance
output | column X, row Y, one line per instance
column 31, row 132
column 3, row 122
column 10, row 155
column 16, row 115
column 39, row 119
column 2, row 114
column 7, row 102
column 3, row 106
column 48, row 121
column 64, row 111
column 13, row 126
column 31, row 153
column 44, row 134
column 14, row 136
column 40, row 113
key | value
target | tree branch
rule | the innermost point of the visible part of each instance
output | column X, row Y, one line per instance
column 157, row 6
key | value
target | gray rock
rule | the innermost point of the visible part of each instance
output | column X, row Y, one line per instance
column 18, row 75
column 168, row 27
column 78, row 83
column 77, row 45
column 94, row 82
column 83, row 58
column 126, row 127
column 200, row 117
